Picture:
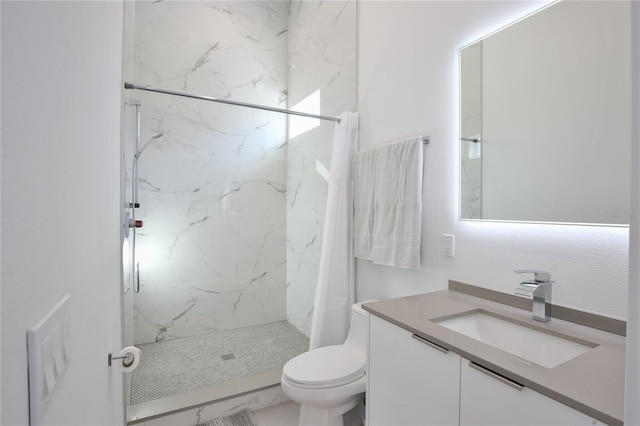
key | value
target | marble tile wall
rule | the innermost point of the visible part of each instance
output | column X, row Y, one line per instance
column 233, row 217
column 322, row 56
column 212, row 189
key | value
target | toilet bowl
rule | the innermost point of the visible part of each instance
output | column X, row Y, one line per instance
column 327, row 382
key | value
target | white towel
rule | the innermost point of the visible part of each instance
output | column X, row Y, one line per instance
column 364, row 167
column 388, row 203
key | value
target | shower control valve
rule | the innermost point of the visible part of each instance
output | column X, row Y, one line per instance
column 135, row 223
column 130, row 223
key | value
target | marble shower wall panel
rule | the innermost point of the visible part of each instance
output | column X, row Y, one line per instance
column 225, row 49
column 213, row 189
column 306, row 203
column 322, row 56
column 322, row 53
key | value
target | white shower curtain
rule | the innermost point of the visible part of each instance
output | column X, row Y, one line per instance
column 335, row 287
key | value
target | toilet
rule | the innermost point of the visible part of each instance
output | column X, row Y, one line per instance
column 327, row 382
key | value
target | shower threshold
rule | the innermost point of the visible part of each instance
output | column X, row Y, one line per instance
column 174, row 404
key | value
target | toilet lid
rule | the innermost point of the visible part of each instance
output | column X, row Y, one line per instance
column 330, row 365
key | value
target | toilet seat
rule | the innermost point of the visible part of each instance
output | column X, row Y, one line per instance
column 325, row 367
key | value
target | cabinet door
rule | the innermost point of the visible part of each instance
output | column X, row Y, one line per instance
column 410, row 382
column 489, row 399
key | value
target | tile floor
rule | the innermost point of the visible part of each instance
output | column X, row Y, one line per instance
column 182, row 365
column 284, row 414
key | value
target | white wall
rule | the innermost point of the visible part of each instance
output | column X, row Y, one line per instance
column 60, row 199
column 408, row 84
column 632, row 384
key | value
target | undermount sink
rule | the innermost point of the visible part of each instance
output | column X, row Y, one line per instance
column 540, row 347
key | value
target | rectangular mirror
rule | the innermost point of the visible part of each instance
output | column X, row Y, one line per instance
column 545, row 113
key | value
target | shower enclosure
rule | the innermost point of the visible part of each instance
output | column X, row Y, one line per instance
column 231, row 199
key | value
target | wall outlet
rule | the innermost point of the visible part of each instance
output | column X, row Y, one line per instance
column 448, row 245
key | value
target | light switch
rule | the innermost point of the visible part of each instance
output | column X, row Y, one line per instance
column 47, row 362
column 58, row 350
column 48, row 347
column 66, row 337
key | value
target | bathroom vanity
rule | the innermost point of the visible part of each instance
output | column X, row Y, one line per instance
column 468, row 356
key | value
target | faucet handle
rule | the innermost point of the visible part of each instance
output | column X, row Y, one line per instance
column 539, row 276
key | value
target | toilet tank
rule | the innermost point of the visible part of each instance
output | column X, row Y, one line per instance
column 358, row 336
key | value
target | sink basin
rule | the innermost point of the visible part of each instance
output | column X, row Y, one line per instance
column 540, row 347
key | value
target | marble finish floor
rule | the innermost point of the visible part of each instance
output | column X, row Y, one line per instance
column 182, row 365
column 288, row 413
column 284, row 414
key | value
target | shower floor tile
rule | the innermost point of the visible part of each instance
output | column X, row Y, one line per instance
column 182, row 365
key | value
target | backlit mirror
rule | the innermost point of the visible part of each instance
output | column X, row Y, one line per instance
column 545, row 118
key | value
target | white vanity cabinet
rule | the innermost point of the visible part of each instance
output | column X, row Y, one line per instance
column 489, row 399
column 413, row 382
column 410, row 382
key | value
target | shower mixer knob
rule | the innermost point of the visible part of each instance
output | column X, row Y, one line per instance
column 135, row 223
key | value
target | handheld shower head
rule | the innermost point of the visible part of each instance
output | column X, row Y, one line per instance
column 151, row 139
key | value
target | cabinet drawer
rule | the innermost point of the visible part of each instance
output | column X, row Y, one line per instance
column 410, row 381
column 486, row 398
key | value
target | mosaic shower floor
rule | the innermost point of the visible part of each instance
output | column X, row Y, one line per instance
column 183, row 365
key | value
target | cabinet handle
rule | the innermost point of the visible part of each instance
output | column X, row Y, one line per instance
column 428, row 343
column 496, row 376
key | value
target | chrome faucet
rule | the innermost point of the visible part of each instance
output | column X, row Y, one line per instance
column 540, row 289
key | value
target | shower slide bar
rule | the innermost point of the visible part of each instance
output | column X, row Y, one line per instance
column 229, row 101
